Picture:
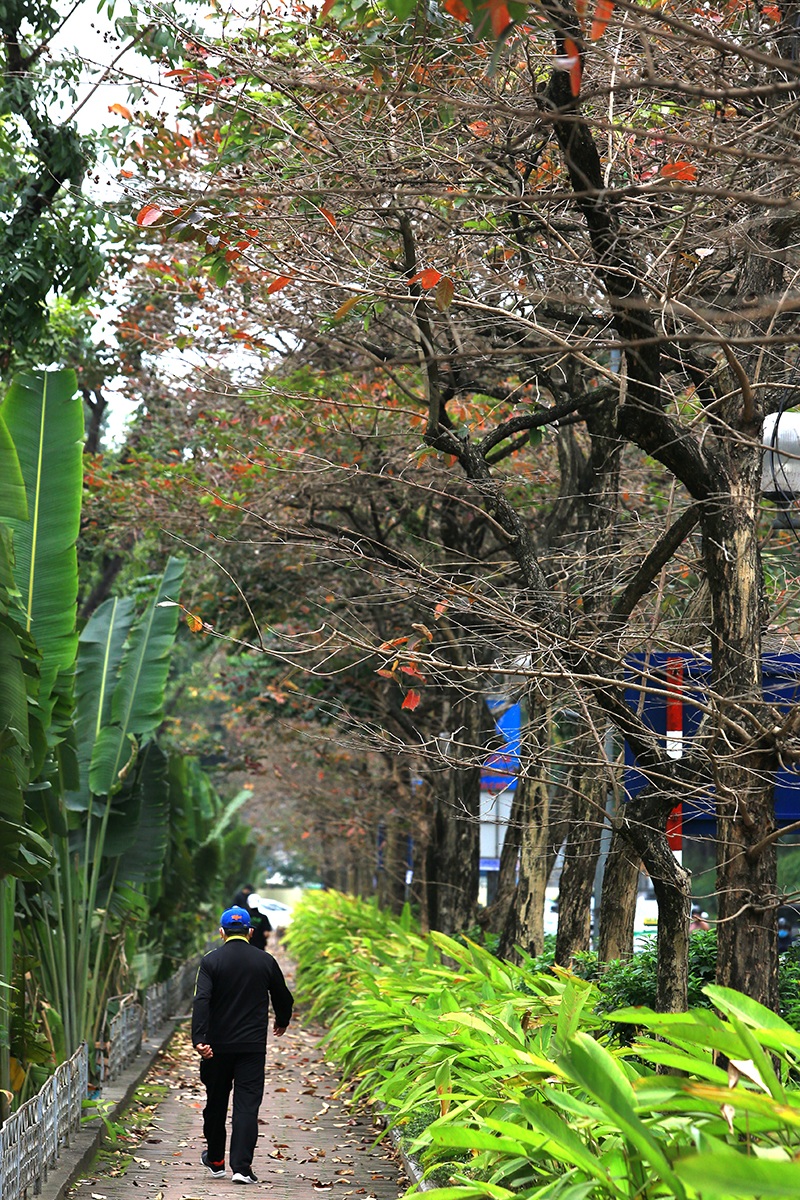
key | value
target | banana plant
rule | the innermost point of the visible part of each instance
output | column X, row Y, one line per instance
column 117, row 815
column 24, row 852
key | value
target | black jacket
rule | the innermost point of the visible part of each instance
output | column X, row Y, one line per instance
column 235, row 984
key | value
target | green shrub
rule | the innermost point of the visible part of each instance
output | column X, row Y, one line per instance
column 512, row 1087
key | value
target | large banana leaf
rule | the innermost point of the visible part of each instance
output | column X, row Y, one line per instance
column 138, row 826
column 13, row 498
column 100, row 650
column 137, row 702
column 23, row 853
column 44, row 417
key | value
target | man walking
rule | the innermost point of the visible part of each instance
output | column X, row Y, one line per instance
column 230, row 1018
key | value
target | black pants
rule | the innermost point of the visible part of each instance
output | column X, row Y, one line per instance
column 245, row 1074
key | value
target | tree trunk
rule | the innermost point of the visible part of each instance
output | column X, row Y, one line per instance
column 453, row 859
column 743, row 775
column 495, row 917
column 524, row 925
column 392, row 872
column 580, row 855
column 618, row 900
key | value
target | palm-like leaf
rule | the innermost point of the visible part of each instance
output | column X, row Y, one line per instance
column 100, row 651
column 44, row 417
column 13, row 498
column 139, row 824
column 137, row 702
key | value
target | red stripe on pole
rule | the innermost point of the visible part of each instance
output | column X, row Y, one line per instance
column 675, row 725
column 674, row 694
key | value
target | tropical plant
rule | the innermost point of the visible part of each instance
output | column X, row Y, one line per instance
column 38, row 582
column 91, row 806
column 109, row 832
column 523, row 1089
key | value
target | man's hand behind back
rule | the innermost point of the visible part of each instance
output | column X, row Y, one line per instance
column 204, row 1050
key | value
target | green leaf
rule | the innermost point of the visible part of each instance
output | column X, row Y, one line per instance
column 562, row 1137
column 227, row 814
column 750, row 1011
column 138, row 826
column 13, row 498
column 44, row 416
column 569, row 1013
column 100, row 651
column 590, row 1065
column 136, row 705
column 723, row 1172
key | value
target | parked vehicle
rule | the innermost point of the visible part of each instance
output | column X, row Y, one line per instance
column 280, row 915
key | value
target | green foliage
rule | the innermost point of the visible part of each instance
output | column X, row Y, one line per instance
column 44, row 417
column 525, row 1091
column 634, row 982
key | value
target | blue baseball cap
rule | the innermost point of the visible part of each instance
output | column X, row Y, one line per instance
column 235, row 918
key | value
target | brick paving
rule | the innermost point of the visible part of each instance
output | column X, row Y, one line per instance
column 310, row 1141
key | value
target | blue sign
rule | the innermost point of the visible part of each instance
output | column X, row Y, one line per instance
column 648, row 693
column 499, row 771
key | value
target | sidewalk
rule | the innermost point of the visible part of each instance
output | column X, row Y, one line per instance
column 309, row 1141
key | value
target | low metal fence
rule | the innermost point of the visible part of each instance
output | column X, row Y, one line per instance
column 33, row 1137
column 122, row 1036
column 164, row 1000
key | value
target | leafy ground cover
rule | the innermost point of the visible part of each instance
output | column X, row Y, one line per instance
column 510, row 1082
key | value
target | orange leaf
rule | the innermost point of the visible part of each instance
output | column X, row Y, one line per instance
column 681, row 170
column 121, row 111
column 329, row 217
column 411, row 701
column 148, row 215
column 377, row 76
column 278, row 283
column 479, row 128
column 445, row 289
column 572, row 63
column 414, row 670
column 326, row 8
column 426, row 279
column 194, row 623
column 457, row 9
column 345, row 308
column 499, row 16
column 602, row 15
column 126, row 174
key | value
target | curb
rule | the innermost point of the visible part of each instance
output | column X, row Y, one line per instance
column 410, row 1165
column 83, row 1145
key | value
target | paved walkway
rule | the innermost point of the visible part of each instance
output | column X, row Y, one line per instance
column 310, row 1142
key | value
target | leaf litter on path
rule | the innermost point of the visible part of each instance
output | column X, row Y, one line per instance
column 303, row 1095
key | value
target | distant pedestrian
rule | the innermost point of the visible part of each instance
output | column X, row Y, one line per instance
column 242, row 897
column 259, row 920
column 699, row 920
column 248, row 898
column 784, row 935
column 230, row 1019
